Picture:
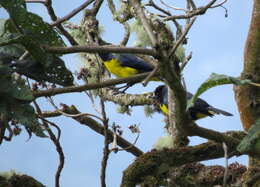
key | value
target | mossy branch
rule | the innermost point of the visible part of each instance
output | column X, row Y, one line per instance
column 149, row 164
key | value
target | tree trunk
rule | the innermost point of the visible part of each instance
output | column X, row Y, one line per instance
column 248, row 97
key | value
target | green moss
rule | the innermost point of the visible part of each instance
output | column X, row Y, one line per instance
column 13, row 179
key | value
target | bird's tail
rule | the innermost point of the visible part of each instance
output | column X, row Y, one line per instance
column 218, row 111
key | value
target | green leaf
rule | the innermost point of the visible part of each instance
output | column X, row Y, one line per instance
column 25, row 115
column 215, row 80
column 56, row 73
column 31, row 24
column 13, row 87
column 30, row 44
column 31, row 31
column 46, row 67
column 21, row 91
column 251, row 142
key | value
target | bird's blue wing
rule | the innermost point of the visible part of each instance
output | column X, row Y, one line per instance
column 165, row 95
column 129, row 60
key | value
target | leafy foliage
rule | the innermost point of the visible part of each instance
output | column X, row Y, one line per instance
column 251, row 143
column 31, row 24
column 54, row 71
column 14, row 103
column 14, row 179
column 215, row 80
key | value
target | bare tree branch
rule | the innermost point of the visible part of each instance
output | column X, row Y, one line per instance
column 106, row 150
column 57, row 145
column 149, row 164
column 70, row 89
column 196, row 12
column 72, row 13
column 97, row 49
column 182, row 37
column 48, row 4
column 35, row 1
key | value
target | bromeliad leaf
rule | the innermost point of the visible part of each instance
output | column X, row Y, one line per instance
column 251, row 142
column 215, row 80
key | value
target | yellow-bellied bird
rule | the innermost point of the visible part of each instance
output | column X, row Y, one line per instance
column 125, row 65
column 200, row 109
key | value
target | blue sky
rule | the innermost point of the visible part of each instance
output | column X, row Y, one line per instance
column 217, row 44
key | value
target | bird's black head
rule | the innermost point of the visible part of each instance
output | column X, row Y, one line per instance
column 106, row 56
column 159, row 93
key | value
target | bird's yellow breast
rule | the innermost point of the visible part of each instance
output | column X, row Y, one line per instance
column 114, row 67
column 165, row 110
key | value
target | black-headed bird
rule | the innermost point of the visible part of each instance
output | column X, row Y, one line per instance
column 200, row 109
column 125, row 65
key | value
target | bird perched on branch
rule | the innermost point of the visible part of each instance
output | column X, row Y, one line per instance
column 200, row 109
column 125, row 65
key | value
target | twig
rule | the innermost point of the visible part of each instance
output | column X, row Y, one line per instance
column 97, row 49
column 196, row 12
column 187, row 59
column 49, row 114
column 195, row 130
column 61, row 156
column 152, row 4
column 70, row 89
column 95, row 8
column 220, row 4
column 172, row 7
column 24, row 55
column 106, row 150
column 192, row 4
column 57, row 144
column 35, row 1
column 54, row 125
column 151, row 74
column 72, row 13
column 225, row 148
column 133, row 144
column 48, row 4
column 70, row 115
column 126, row 35
column 180, row 40
column 254, row 84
